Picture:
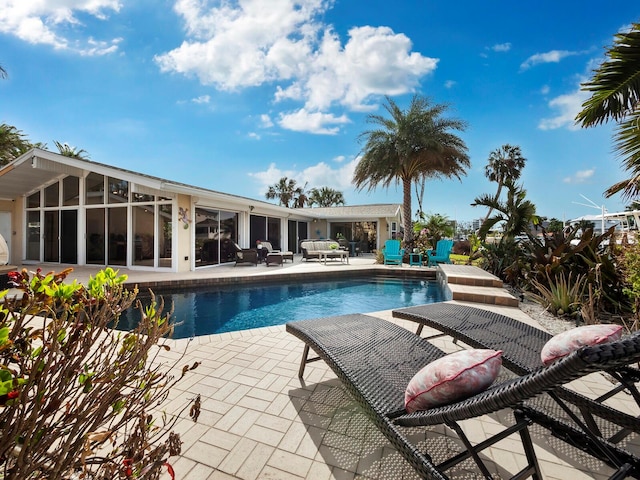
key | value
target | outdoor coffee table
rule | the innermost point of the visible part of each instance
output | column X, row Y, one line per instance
column 324, row 254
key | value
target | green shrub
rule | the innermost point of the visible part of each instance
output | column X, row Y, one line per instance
column 78, row 398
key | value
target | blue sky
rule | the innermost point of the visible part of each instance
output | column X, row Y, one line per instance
column 234, row 95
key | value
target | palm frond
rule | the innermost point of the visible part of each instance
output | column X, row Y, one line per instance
column 615, row 85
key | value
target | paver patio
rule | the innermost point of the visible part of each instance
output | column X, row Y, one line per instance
column 258, row 420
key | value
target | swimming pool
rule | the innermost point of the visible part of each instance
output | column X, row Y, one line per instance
column 226, row 309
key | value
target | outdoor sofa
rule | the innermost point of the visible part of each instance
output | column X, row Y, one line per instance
column 311, row 249
column 376, row 359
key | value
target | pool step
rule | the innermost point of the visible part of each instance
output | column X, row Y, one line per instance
column 467, row 283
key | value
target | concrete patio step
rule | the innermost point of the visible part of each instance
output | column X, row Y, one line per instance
column 467, row 283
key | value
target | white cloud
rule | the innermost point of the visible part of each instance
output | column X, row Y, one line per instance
column 312, row 122
column 202, row 99
column 46, row 22
column 284, row 43
column 449, row 84
column 580, row 176
column 501, row 47
column 265, row 121
column 545, row 90
column 568, row 106
column 554, row 56
column 319, row 175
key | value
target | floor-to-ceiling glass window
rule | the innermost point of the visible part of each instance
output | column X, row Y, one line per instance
column 165, row 234
column 257, row 229
column 33, row 235
column 117, row 225
column 362, row 236
column 273, row 232
column 143, row 220
column 95, row 235
column 216, row 235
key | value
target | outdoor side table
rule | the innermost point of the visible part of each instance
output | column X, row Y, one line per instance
column 415, row 259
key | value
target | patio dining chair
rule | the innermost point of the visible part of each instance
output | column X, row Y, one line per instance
column 376, row 360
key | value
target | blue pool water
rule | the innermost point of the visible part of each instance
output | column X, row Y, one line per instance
column 227, row 309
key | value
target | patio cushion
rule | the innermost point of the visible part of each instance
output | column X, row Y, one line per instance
column 566, row 342
column 451, row 378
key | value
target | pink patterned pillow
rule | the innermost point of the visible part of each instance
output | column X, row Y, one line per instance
column 451, row 378
column 566, row 342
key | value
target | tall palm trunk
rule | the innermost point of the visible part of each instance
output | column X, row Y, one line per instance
column 406, row 212
column 496, row 198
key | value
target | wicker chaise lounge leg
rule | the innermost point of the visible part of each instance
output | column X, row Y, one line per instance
column 305, row 360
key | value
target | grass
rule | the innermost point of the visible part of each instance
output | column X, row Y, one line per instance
column 462, row 259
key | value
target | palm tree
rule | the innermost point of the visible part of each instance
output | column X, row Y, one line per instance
column 516, row 212
column 13, row 143
column 284, row 191
column 3, row 72
column 326, row 197
column 410, row 145
column 504, row 163
column 300, row 197
column 615, row 88
column 69, row 151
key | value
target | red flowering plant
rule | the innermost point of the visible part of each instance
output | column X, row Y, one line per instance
column 79, row 399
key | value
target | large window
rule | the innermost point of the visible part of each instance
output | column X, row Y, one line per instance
column 121, row 227
column 216, row 236
column 143, row 234
column 96, row 236
column 265, row 228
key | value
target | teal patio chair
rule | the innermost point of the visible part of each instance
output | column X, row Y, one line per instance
column 441, row 254
column 392, row 252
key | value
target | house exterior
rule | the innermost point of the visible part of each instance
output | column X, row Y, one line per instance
column 58, row 209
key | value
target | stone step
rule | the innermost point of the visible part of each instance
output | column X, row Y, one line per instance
column 467, row 283
column 470, row 275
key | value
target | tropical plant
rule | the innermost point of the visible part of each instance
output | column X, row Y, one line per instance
column 410, row 145
column 13, row 143
column 69, row 151
column 3, row 72
column 515, row 214
column 555, row 226
column 502, row 259
column 615, row 93
column 435, row 227
column 505, row 163
column 325, row 197
column 77, row 398
column 589, row 256
column 562, row 295
column 630, row 264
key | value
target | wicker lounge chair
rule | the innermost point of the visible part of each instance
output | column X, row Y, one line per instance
column 521, row 345
column 375, row 360
column 246, row 255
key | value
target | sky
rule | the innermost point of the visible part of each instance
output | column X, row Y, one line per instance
column 234, row 95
